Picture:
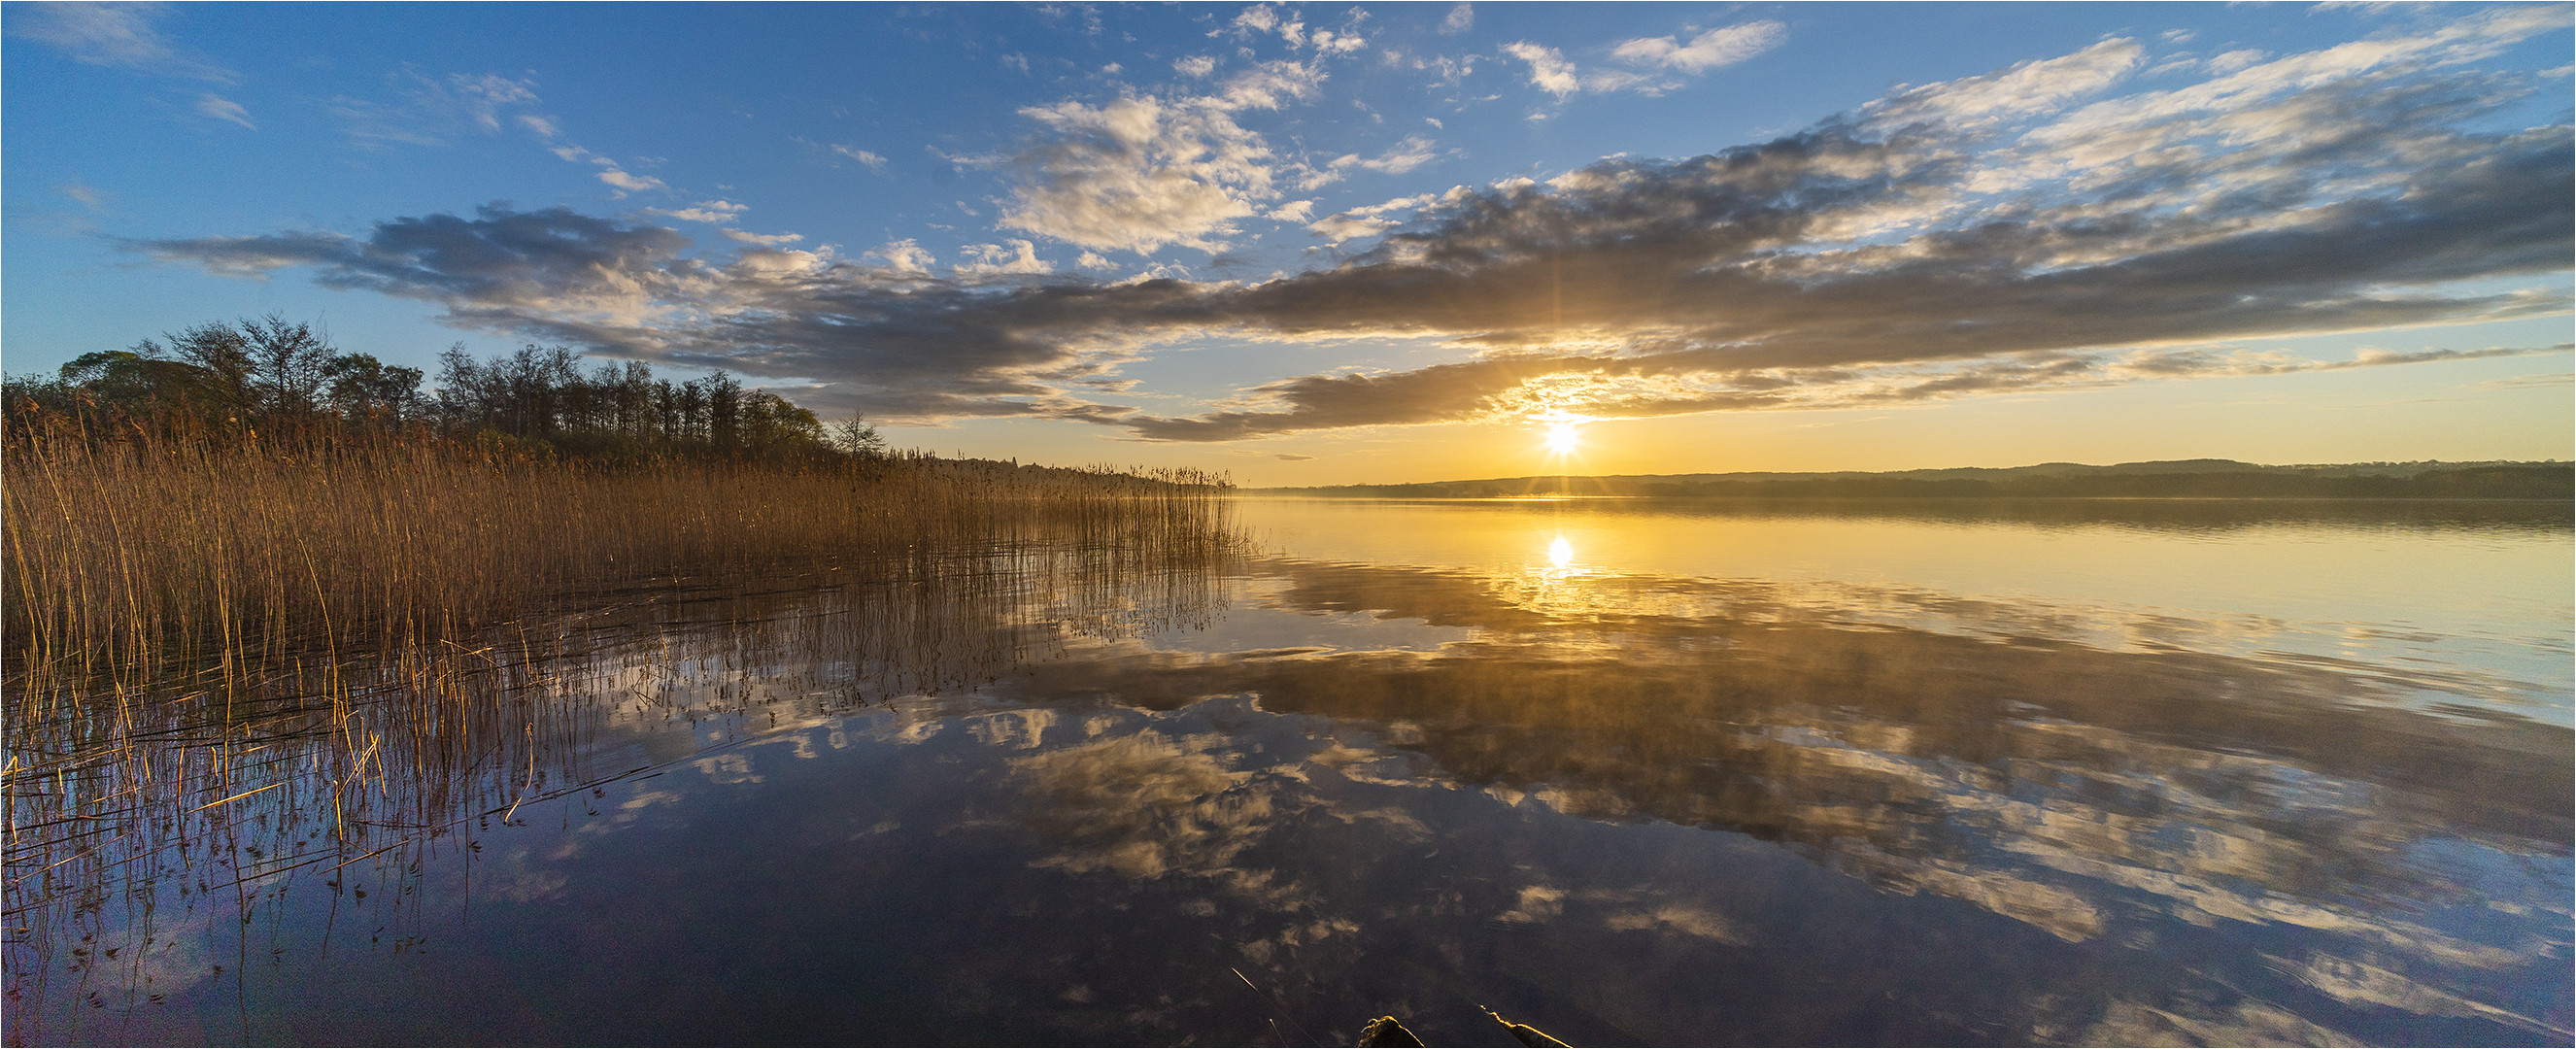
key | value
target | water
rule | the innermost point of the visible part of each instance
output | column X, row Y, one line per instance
column 1629, row 772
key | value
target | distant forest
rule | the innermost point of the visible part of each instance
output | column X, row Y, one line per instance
column 2182, row 479
column 271, row 381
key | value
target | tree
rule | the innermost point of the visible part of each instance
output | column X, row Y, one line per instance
column 724, row 411
column 289, row 365
column 855, row 436
column 224, row 353
column 363, row 388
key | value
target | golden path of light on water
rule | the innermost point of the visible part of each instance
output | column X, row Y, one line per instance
column 1560, row 553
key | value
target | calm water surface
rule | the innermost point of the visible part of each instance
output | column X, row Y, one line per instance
column 1630, row 772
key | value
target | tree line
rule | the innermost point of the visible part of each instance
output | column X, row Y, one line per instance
column 269, row 379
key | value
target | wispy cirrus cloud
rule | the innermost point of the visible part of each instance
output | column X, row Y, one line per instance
column 225, row 109
column 118, row 35
column 431, row 110
column 2029, row 230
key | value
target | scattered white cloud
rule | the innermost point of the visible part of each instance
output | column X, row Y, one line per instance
column 766, row 240
column 1461, row 18
column 1552, row 72
column 1138, row 173
column 904, row 256
column 1404, row 156
column 1709, row 50
column 628, row 182
column 1021, row 257
column 1549, row 71
column 1328, row 42
column 1092, row 260
column 1260, row 19
column 713, row 212
column 1194, row 66
column 225, row 109
column 1293, row 211
column 1270, row 85
column 544, row 127
column 872, row 161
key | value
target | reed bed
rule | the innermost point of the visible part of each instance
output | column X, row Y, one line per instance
column 310, row 648
column 131, row 559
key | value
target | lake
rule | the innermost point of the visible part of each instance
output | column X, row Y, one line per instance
column 1630, row 771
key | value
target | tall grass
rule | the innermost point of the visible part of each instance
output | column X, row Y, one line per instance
column 131, row 560
column 327, row 623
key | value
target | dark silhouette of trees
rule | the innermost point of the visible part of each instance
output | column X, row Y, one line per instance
column 267, row 378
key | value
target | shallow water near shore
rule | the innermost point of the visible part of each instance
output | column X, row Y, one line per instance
column 1629, row 771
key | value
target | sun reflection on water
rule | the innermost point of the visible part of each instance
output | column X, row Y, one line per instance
column 1560, row 553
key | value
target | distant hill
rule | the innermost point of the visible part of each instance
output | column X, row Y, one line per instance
column 2173, row 479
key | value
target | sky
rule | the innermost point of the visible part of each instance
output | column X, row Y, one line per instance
column 1319, row 244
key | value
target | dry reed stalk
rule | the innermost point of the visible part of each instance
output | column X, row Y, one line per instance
column 174, row 610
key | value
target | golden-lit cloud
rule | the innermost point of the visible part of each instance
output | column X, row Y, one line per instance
column 2030, row 229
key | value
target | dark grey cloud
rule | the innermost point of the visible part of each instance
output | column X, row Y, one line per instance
column 2017, row 231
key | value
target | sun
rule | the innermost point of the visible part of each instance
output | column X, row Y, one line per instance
column 1563, row 438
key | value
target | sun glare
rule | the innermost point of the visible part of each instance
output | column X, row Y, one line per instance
column 1563, row 438
column 1560, row 552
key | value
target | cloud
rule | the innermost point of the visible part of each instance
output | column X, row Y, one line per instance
column 119, row 36
column 2011, row 233
column 1460, row 19
column 1404, row 156
column 1260, row 19
column 766, row 240
column 1292, row 457
column 2026, row 88
column 898, row 343
column 1709, row 50
column 427, row 111
column 1138, row 173
column 1552, row 73
column 629, row 182
column 1549, row 71
column 1328, row 42
column 904, row 256
column 1145, row 170
column 1021, row 257
column 225, row 109
column 89, row 196
column 872, row 161
column 717, row 212
column 623, row 182
column 1366, row 221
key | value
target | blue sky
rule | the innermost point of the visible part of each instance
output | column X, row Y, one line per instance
column 1313, row 244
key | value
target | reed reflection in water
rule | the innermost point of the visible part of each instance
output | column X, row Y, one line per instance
column 1630, row 775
